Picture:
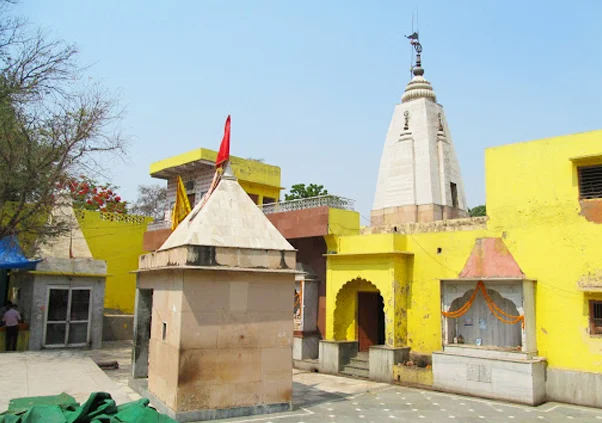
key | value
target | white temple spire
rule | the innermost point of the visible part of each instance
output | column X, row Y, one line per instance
column 419, row 177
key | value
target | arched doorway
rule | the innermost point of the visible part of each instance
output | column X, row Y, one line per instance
column 359, row 314
column 370, row 320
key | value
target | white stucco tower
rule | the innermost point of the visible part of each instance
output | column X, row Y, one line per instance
column 419, row 177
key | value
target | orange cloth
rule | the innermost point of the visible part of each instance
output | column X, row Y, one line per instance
column 495, row 310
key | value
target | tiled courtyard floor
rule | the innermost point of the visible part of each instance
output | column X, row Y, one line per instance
column 399, row 404
column 317, row 397
column 325, row 398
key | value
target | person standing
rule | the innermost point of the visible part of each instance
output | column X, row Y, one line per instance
column 11, row 319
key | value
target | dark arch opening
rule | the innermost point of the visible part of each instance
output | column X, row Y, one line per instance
column 370, row 320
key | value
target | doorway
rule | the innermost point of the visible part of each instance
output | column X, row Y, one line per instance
column 370, row 320
column 67, row 317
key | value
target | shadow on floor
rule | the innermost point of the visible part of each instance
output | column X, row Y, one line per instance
column 308, row 396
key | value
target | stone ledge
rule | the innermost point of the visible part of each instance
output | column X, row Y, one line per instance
column 382, row 360
column 334, row 355
column 448, row 225
column 141, row 386
column 519, row 381
column 413, row 376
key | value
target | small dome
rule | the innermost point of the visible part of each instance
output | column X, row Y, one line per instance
column 418, row 87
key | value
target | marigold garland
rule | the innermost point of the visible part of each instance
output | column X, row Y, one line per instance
column 495, row 310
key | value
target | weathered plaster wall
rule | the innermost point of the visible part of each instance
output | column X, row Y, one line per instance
column 533, row 199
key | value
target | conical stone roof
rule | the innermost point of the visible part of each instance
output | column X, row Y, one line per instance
column 72, row 241
column 229, row 218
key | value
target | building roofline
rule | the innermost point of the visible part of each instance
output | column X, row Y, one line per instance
column 198, row 154
column 204, row 156
column 543, row 139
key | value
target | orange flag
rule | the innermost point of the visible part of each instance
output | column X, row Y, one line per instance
column 182, row 206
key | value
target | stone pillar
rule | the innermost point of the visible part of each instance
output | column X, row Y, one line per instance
column 334, row 355
column 306, row 335
column 383, row 359
column 142, row 325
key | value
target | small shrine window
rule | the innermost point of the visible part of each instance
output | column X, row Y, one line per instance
column 595, row 317
column 590, row 182
column 454, row 194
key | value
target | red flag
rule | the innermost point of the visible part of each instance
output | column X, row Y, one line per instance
column 224, row 149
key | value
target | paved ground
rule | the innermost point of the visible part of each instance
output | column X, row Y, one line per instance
column 377, row 403
column 30, row 374
column 317, row 397
column 325, row 398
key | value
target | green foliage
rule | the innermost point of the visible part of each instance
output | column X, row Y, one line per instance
column 299, row 191
column 54, row 124
column 478, row 211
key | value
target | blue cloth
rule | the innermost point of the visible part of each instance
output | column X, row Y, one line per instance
column 11, row 255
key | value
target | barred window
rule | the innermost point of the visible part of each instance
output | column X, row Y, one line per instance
column 590, row 181
column 595, row 317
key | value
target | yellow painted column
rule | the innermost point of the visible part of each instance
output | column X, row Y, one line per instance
column 395, row 297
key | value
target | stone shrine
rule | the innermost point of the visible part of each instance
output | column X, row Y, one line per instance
column 217, row 298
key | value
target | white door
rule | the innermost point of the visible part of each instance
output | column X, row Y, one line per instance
column 67, row 317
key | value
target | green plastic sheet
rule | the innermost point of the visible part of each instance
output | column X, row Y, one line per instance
column 99, row 408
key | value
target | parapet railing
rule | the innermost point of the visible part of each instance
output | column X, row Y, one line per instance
column 332, row 201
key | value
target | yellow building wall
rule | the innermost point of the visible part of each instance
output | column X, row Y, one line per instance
column 343, row 222
column 117, row 240
column 261, row 191
column 424, row 303
column 533, row 198
column 533, row 204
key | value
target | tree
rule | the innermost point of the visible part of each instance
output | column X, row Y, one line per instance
column 151, row 201
column 301, row 191
column 88, row 194
column 53, row 125
column 478, row 211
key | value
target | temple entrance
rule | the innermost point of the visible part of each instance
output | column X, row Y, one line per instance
column 370, row 320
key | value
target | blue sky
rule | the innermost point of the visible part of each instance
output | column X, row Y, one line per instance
column 311, row 85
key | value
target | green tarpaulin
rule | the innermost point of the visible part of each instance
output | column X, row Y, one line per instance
column 99, row 408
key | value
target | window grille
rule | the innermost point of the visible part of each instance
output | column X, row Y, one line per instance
column 590, row 182
column 595, row 317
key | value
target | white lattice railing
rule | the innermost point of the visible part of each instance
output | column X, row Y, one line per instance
column 332, row 201
column 157, row 226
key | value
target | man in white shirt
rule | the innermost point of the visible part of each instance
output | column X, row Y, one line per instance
column 11, row 319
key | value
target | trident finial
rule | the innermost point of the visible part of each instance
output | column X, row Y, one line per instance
column 416, row 70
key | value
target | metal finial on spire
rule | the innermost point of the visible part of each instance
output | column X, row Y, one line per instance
column 417, row 69
column 418, row 87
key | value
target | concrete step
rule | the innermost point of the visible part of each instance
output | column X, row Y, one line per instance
column 360, row 362
column 354, row 371
column 307, row 365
